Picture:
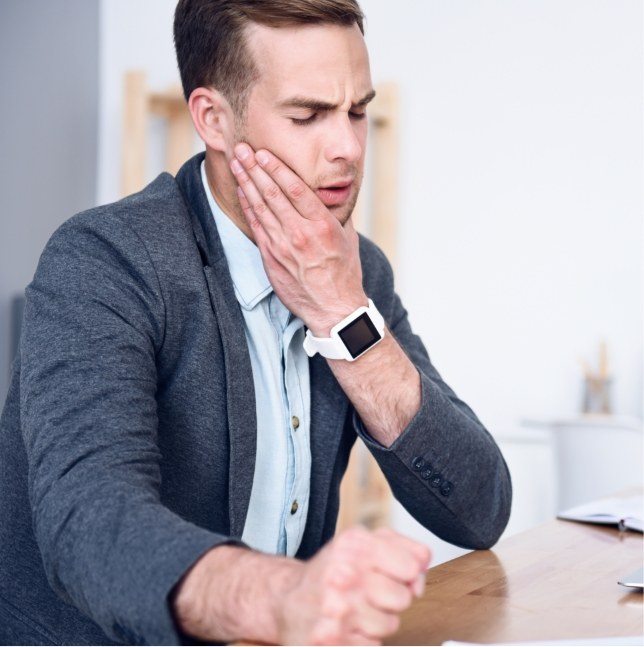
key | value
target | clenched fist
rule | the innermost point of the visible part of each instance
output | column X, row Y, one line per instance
column 350, row 593
column 353, row 590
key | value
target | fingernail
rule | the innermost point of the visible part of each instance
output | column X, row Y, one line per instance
column 262, row 157
column 242, row 151
column 236, row 166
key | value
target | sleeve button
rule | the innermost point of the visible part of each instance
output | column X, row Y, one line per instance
column 426, row 474
column 437, row 481
column 418, row 463
column 446, row 488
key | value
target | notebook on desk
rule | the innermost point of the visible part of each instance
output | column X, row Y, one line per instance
column 626, row 512
column 634, row 580
column 621, row 641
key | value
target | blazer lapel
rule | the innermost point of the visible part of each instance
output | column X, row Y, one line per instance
column 240, row 391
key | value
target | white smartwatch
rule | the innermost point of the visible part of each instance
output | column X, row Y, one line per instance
column 350, row 338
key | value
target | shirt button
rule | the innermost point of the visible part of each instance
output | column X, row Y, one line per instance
column 294, row 507
column 295, row 421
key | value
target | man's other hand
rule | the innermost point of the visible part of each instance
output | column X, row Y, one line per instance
column 350, row 593
column 353, row 590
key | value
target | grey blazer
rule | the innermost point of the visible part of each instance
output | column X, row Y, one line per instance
column 127, row 441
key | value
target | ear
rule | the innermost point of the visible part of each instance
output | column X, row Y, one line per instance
column 213, row 119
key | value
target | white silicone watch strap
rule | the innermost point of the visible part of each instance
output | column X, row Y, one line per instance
column 332, row 348
column 326, row 346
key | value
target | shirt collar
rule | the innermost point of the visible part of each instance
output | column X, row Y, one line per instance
column 243, row 256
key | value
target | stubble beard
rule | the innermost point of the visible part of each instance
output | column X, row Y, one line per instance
column 347, row 211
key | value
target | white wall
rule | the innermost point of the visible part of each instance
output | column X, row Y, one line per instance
column 520, row 203
column 521, row 197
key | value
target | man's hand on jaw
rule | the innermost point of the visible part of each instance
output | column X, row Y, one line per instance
column 313, row 263
column 351, row 592
column 311, row 260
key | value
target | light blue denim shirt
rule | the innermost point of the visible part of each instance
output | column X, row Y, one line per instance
column 279, row 498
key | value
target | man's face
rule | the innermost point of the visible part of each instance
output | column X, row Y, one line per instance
column 308, row 106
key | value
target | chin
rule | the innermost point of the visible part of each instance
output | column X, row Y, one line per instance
column 345, row 217
column 344, row 211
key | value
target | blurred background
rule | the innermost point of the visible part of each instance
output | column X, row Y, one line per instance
column 517, row 207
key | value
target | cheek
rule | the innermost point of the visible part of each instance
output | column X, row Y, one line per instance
column 294, row 146
column 299, row 152
column 361, row 130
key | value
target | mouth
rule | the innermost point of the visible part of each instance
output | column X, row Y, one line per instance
column 336, row 194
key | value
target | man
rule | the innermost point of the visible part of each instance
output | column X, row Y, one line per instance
column 180, row 414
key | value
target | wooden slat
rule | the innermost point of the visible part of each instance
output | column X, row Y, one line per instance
column 385, row 169
column 134, row 141
column 139, row 105
column 163, row 104
column 180, row 142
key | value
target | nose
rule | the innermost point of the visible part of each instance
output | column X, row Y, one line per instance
column 342, row 141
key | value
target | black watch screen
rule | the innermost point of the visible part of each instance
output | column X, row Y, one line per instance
column 359, row 335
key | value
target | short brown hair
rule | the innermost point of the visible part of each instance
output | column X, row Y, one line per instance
column 210, row 44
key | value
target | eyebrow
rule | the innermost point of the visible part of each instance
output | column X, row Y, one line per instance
column 317, row 105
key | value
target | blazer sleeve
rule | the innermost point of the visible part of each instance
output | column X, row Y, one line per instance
column 93, row 322
column 445, row 468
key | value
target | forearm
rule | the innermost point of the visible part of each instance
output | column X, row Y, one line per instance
column 233, row 593
column 383, row 386
column 447, row 471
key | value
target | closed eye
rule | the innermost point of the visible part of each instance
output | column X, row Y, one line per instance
column 314, row 116
column 304, row 122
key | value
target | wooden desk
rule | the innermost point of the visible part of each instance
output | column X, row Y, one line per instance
column 555, row 581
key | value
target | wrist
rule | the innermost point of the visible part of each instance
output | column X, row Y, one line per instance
column 285, row 578
column 233, row 593
column 192, row 597
column 321, row 323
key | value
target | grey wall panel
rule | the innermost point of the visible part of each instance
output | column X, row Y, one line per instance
column 49, row 64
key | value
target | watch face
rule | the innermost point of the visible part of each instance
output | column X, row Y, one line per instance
column 359, row 335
